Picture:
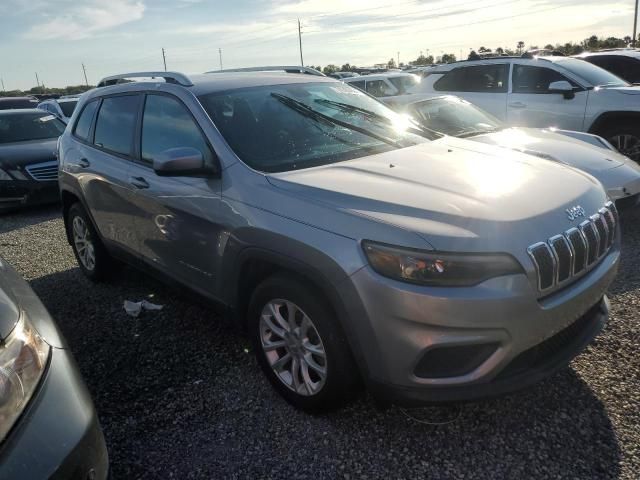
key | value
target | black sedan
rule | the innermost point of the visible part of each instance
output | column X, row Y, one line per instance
column 48, row 425
column 28, row 163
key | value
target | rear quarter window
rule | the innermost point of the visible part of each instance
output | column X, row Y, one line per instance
column 83, row 125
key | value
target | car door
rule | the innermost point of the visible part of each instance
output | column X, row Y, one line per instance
column 177, row 217
column 531, row 104
column 101, row 164
column 484, row 85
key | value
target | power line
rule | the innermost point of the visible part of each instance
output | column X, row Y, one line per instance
column 271, row 37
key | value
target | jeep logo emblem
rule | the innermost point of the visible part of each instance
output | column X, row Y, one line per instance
column 575, row 212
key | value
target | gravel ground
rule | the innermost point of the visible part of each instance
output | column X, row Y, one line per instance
column 179, row 396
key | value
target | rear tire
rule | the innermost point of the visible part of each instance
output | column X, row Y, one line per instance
column 625, row 139
column 91, row 255
column 300, row 345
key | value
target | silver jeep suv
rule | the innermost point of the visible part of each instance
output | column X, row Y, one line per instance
column 349, row 246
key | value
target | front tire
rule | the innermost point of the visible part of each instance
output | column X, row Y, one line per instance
column 625, row 139
column 91, row 255
column 300, row 346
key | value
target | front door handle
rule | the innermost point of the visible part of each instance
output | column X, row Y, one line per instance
column 517, row 105
column 84, row 163
column 138, row 182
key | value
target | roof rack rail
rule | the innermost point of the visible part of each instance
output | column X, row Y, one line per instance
column 169, row 77
column 278, row 68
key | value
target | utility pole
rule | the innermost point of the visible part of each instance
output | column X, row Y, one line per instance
column 164, row 60
column 2, row 81
column 300, row 42
column 85, row 75
column 220, row 53
column 398, row 59
column 37, row 80
column 635, row 24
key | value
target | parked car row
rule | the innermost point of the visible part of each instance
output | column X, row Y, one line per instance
column 434, row 257
column 554, row 91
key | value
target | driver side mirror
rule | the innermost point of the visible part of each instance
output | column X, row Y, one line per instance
column 182, row 162
column 563, row 87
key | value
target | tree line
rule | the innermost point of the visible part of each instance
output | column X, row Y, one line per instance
column 570, row 48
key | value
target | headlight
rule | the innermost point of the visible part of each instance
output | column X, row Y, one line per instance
column 23, row 358
column 438, row 268
column 4, row 175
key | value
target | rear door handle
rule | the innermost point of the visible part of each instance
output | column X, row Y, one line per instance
column 138, row 182
column 517, row 105
column 84, row 163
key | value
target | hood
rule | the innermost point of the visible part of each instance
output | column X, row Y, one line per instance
column 20, row 154
column 456, row 195
column 554, row 146
column 15, row 296
column 9, row 309
column 631, row 90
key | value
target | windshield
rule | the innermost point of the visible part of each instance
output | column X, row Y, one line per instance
column 68, row 107
column 286, row 127
column 596, row 76
column 20, row 127
column 453, row 116
column 405, row 82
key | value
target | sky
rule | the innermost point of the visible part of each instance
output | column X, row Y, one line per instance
column 55, row 37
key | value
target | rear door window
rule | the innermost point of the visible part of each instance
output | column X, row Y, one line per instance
column 166, row 124
column 83, row 125
column 116, row 123
column 477, row 78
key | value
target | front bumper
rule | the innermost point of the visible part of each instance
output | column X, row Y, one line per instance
column 524, row 338
column 15, row 194
column 58, row 435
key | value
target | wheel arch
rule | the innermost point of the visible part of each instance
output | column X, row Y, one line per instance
column 68, row 198
column 602, row 122
column 252, row 265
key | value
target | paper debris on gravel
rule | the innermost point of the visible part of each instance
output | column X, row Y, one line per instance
column 134, row 309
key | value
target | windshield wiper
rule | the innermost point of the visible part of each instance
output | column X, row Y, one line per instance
column 415, row 127
column 473, row 133
column 352, row 108
column 305, row 110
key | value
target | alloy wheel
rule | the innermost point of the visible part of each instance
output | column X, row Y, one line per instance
column 83, row 243
column 628, row 145
column 293, row 347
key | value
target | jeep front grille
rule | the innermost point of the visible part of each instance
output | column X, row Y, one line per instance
column 564, row 256
column 43, row 172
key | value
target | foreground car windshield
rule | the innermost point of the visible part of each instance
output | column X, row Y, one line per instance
column 20, row 127
column 286, row 127
column 596, row 76
column 454, row 117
